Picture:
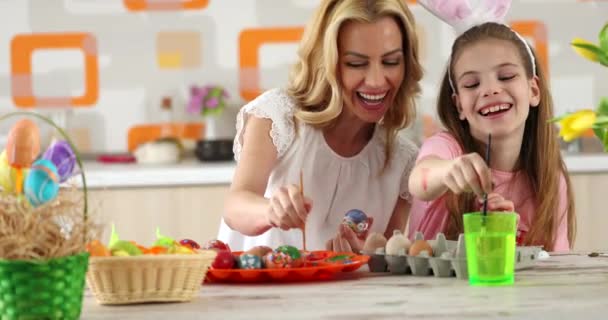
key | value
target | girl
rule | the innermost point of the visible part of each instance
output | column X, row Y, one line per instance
column 494, row 86
column 336, row 122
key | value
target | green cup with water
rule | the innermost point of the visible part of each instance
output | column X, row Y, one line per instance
column 490, row 246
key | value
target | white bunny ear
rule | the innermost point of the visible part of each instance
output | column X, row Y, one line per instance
column 462, row 14
column 496, row 10
column 456, row 13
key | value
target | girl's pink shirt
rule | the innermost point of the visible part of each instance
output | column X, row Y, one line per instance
column 430, row 217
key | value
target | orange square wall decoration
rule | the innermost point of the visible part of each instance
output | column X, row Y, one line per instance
column 156, row 5
column 250, row 41
column 22, row 50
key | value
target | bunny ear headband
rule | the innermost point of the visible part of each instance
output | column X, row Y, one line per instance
column 462, row 15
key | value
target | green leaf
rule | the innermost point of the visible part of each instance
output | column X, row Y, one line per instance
column 589, row 47
column 603, row 59
column 113, row 237
column 602, row 119
column 603, row 107
column 605, row 141
column 604, row 38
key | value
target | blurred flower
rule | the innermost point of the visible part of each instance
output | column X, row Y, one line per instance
column 575, row 124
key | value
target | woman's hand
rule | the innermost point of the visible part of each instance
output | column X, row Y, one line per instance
column 468, row 173
column 347, row 240
column 288, row 208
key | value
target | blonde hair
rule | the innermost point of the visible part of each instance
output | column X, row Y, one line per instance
column 540, row 158
column 314, row 82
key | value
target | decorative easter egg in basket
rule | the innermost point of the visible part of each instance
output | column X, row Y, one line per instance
column 22, row 148
column 8, row 174
column 62, row 156
column 42, row 247
column 42, row 183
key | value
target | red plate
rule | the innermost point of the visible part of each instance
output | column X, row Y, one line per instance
column 320, row 265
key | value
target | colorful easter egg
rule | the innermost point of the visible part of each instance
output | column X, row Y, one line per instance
column 62, row 155
column 190, row 243
column 357, row 220
column 8, row 174
column 97, row 249
column 125, row 246
column 249, row 261
column 284, row 257
column 223, row 260
column 23, row 144
column 42, row 183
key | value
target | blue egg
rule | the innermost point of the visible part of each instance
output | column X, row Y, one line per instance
column 42, row 183
column 356, row 216
column 249, row 261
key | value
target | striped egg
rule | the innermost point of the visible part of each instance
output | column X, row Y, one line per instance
column 42, row 182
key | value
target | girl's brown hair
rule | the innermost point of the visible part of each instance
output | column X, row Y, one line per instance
column 540, row 159
column 314, row 82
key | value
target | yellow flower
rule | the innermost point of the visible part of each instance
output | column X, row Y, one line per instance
column 574, row 125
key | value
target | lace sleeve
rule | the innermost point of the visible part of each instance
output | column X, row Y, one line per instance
column 407, row 152
column 275, row 105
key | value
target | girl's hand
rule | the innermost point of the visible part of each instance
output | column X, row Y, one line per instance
column 468, row 173
column 347, row 240
column 496, row 202
column 288, row 208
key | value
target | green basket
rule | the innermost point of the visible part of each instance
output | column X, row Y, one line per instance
column 45, row 289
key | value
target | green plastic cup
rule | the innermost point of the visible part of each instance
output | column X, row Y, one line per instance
column 490, row 245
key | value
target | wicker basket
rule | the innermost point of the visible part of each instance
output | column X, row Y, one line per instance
column 148, row 278
column 45, row 288
column 50, row 289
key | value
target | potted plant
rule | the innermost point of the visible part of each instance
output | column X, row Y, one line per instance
column 209, row 102
column 575, row 124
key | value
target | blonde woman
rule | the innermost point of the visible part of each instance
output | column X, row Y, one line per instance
column 350, row 92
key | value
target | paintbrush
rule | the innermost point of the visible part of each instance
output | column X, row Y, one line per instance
column 485, row 195
column 304, row 225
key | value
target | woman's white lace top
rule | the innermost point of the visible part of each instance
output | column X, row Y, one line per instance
column 335, row 184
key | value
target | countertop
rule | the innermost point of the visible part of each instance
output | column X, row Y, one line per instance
column 561, row 287
column 194, row 172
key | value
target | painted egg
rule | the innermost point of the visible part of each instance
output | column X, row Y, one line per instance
column 249, row 261
column 357, row 220
column 398, row 244
column 216, row 245
column 284, row 257
column 23, row 144
column 8, row 174
column 374, row 241
column 42, row 183
column 223, row 260
column 190, row 244
column 62, row 155
column 419, row 247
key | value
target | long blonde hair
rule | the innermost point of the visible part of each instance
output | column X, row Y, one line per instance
column 314, row 82
column 539, row 160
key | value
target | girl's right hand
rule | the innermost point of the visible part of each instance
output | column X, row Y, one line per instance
column 288, row 208
column 468, row 173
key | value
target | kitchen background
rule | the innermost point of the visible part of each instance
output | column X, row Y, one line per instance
column 102, row 67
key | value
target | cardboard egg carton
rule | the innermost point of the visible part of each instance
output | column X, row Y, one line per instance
column 449, row 259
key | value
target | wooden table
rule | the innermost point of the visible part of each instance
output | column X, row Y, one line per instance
column 562, row 287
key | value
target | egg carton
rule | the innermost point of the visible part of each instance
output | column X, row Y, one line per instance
column 449, row 259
